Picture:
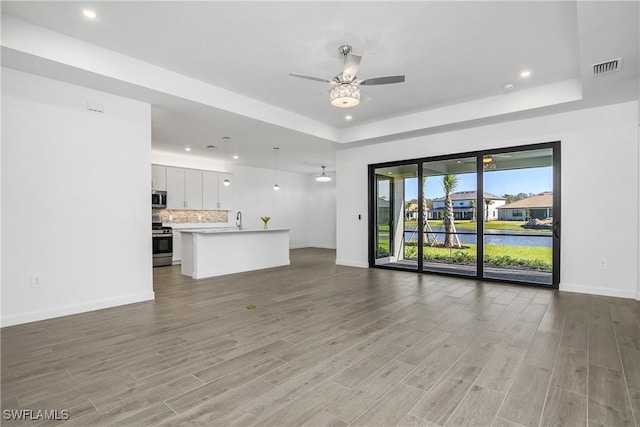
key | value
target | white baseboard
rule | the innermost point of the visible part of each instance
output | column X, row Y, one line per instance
column 298, row 246
column 34, row 316
column 350, row 263
column 312, row 247
column 608, row 292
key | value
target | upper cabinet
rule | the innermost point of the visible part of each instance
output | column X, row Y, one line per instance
column 192, row 189
column 175, row 188
column 197, row 189
column 158, row 178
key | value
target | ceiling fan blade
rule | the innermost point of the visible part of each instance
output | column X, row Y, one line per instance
column 383, row 80
column 351, row 65
column 304, row 76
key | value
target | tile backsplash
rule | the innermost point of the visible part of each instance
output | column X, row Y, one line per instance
column 170, row 216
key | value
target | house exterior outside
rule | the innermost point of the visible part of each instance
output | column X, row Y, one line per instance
column 462, row 206
column 411, row 211
column 539, row 206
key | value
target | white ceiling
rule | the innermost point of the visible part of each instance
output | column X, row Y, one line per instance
column 452, row 53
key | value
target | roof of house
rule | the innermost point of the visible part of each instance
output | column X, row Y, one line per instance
column 469, row 195
column 542, row 200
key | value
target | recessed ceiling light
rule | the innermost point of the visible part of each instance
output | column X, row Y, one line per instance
column 508, row 87
column 236, row 157
column 187, row 148
column 89, row 14
column 525, row 74
column 348, row 117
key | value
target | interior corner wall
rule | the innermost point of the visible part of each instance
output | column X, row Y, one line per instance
column 599, row 179
column 75, row 197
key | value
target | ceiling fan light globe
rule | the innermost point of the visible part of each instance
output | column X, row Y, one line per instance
column 344, row 95
column 323, row 178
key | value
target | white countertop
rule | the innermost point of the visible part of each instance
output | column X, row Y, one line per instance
column 229, row 230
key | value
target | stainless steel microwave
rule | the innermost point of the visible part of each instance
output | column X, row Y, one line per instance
column 159, row 199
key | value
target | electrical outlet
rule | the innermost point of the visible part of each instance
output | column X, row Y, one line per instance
column 603, row 265
column 199, row 217
column 170, row 217
column 36, row 281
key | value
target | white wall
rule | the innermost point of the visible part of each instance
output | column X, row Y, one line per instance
column 302, row 205
column 321, row 204
column 75, row 197
column 599, row 151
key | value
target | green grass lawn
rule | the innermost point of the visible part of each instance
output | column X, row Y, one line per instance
column 528, row 257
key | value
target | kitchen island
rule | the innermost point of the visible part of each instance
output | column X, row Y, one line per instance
column 210, row 252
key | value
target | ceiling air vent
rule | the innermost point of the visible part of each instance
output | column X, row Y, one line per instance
column 95, row 107
column 607, row 67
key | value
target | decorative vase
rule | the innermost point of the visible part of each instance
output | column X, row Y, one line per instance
column 265, row 220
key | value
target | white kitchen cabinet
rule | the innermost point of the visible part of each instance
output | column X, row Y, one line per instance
column 184, row 188
column 192, row 189
column 198, row 189
column 210, row 190
column 177, row 247
column 225, row 192
column 158, row 178
column 175, row 188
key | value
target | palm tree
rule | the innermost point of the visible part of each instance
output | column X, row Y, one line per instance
column 425, row 213
column 473, row 210
column 486, row 212
column 449, row 184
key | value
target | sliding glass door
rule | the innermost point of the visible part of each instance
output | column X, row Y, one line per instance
column 396, row 216
column 518, row 229
column 491, row 215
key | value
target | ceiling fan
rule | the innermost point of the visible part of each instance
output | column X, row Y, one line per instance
column 345, row 92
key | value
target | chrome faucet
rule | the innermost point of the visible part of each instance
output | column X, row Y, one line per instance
column 239, row 220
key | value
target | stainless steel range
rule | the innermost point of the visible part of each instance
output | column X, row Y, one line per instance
column 162, row 244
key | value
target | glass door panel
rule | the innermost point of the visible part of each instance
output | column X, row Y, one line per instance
column 397, row 216
column 449, row 216
column 518, row 216
column 383, row 220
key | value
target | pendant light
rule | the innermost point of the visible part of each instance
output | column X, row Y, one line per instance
column 276, row 187
column 225, row 142
column 323, row 177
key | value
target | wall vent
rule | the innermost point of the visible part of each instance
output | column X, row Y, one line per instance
column 607, row 67
column 95, row 107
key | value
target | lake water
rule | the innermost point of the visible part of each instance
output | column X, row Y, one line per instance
column 493, row 237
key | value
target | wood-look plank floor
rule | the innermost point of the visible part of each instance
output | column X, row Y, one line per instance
column 332, row 346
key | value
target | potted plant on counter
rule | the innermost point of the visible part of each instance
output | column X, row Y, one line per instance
column 265, row 220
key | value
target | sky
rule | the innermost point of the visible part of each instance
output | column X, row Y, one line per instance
column 534, row 180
